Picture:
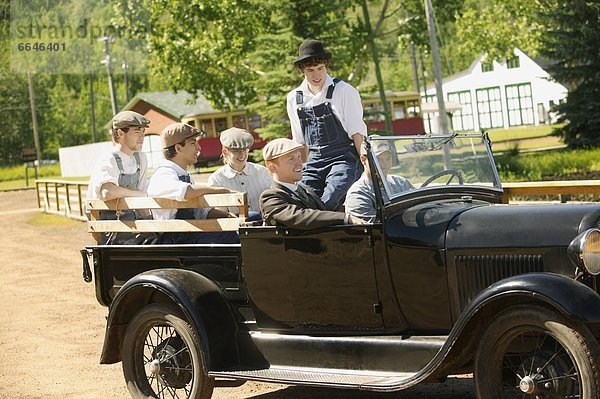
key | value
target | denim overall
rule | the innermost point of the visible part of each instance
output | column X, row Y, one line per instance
column 333, row 163
column 221, row 237
column 127, row 180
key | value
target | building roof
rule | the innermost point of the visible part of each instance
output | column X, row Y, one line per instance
column 178, row 104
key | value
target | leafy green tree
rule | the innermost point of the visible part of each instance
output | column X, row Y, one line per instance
column 496, row 27
column 63, row 104
column 199, row 44
column 573, row 43
column 276, row 48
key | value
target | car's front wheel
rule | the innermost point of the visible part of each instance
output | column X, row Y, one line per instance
column 536, row 353
column 162, row 356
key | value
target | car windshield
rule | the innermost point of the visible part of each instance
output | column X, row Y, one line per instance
column 424, row 162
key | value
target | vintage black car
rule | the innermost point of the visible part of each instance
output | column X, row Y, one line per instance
column 447, row 280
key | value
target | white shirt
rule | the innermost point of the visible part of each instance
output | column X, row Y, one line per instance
column 346, row 105
column 106, row 170
column 253, row 180
column 165, row 183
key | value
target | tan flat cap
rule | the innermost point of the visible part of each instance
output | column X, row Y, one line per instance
column 236, row 138
column 278, row 147
column 128, row 119
column 176, row 133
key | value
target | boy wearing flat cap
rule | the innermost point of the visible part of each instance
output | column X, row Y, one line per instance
column 122, row 171
column 326, row 116
column 172, row 180
column 291, row 204
column 238, row 174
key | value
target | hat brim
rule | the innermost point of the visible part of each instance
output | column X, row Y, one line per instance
column 326, row 55
column 303, row 153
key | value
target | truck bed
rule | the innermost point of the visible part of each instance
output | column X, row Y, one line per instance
column 115, row 264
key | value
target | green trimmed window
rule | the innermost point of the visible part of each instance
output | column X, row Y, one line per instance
column 489, row 107
column 487, row 66
column 519, row 103
column 462, row 120
column 513, row 62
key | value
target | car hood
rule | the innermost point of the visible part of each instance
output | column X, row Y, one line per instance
column 520, row 225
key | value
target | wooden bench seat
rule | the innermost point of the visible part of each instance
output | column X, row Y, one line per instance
column 97, row 226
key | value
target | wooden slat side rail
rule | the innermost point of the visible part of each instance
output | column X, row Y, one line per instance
column 174, row 225
column 550, row 188
column 206, row 201
column 96, row 226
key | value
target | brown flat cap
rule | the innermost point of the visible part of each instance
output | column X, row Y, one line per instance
column 177, row 132
column 278, row 147
column 129, row 118
column 236, row 138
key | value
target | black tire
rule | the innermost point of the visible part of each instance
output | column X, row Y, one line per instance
column 530, row 352
column 163, row 356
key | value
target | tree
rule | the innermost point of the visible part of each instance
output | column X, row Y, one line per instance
column 496, row 27
column 62, row 97
column 572, row 42
column 564, row 32
column 199, row 44
column 274, row 74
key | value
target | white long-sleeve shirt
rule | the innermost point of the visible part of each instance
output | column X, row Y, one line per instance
column 165, row 183
column 346, row 105
column 253, row 180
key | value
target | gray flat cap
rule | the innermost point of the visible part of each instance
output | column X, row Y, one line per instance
column 278, row 147
column 236, row 138
column 128, row 119
column 378, row 147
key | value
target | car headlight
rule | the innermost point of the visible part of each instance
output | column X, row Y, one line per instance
column 584, row 251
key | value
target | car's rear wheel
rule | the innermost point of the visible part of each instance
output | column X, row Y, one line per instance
column 162, row 356
column 530, row 352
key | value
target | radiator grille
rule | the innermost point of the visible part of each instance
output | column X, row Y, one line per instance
column 476, row 272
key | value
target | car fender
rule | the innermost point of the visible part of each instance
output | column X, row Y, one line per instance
column 200, row 300
column 571, row 298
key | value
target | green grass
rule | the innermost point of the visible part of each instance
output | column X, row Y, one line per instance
column 520, row 133
column 17, row 172
column 560, row 164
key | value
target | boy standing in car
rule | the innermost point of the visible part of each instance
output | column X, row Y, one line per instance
column 326, row 117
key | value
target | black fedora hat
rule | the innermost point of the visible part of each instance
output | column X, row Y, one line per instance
column 311, row 48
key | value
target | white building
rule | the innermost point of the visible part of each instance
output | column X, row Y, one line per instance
column 514, row 92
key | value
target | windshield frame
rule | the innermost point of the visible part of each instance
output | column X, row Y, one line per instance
column 463, row 149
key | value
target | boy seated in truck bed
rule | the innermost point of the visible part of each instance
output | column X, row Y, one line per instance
column 172, row 180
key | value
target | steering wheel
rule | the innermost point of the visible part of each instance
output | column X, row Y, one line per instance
column 452, row 172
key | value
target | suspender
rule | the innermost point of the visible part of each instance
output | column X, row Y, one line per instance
column 329, row 96
column 331, row 88
column 136, row 156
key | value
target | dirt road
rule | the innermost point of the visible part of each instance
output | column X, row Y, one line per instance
column 52, row 328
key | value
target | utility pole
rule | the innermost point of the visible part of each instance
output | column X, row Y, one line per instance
column 442, row 117
column 125, row 80
column 108, row 62
column 415, row 71
column 375, row 55
column 92, row 113
column 36, row 135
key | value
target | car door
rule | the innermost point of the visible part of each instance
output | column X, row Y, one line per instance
column 320, row 280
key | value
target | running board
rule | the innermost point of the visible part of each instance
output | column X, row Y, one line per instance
column 355, row 379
